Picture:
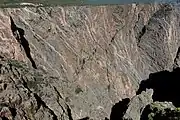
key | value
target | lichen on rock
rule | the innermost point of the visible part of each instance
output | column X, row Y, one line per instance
column 160, row 111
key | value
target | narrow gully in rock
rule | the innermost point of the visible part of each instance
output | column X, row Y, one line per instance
column 119, row 109
column 19, row 35
column 4, row 118
column 85, row 118
column 13, row 112
column 141, row 33
column 0, row 68
column 40, row 102
column 146, row 111
column 68, row 108
column 69, row 113
column 175, row 59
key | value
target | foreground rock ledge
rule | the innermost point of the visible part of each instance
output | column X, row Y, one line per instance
column 27, row 94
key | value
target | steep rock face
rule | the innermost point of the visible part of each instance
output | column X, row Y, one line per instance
column 98, row 53
column 131, row 109
column 26, row 95
column 137, row 104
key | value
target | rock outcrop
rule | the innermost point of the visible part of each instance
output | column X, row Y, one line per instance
column 137, row 105
column 160, row 111
column 89, row 58
column 26, row 94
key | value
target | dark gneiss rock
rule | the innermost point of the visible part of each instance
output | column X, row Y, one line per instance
column 96, row 56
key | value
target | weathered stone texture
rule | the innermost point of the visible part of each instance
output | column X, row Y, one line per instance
column 98, row 54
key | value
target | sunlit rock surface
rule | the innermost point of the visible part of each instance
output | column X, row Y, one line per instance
column 99, row 54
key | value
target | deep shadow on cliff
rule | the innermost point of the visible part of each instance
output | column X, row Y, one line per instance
column 19, row 35
column 166, row 86
column 119, row 109
column 160, row 111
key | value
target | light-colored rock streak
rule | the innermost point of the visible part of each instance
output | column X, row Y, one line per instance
column 95, row 50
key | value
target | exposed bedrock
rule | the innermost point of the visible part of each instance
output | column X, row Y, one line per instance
column 156, row 99
column 96, row 56
column 165, row 85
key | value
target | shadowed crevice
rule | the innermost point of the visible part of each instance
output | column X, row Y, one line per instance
column 175, row 65
column 140, row 35
column 145, row 113
column 40, row 103
column 13, row 112
column 19, row 35
column 106, row 118
column 165, row 84
column 69, row 113
column 85, row 118
column 119, row 109
column 4, row 118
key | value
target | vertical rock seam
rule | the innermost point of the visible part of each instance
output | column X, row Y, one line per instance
column 18, row 33
column 40, row 102
column 175, row 65
column 141, row 33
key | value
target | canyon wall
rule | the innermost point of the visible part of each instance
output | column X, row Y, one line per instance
column 96, row 55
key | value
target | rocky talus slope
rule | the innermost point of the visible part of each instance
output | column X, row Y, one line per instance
column 87, row 62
